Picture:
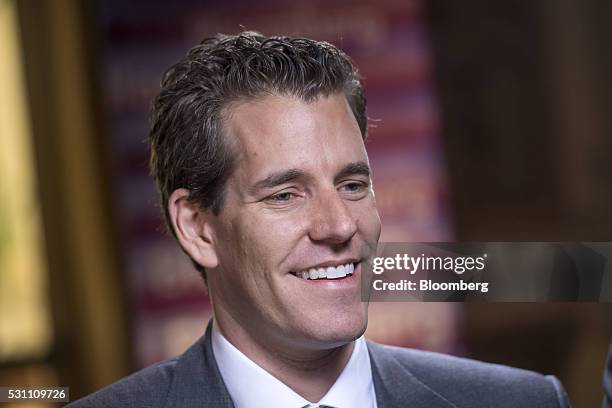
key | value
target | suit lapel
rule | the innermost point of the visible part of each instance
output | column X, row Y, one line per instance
column 396, row 386
column 197, row 381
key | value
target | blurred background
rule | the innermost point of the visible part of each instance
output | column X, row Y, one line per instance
column 491, row 124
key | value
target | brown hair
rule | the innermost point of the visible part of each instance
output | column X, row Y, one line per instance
column 188, row 149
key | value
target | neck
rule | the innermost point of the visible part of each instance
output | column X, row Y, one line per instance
column 308, row 372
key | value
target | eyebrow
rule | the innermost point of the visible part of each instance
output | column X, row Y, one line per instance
column 352, row 169
column 278, row 178
column 286, row 176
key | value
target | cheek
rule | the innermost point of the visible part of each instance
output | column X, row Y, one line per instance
column 368, row 219
column 262, row 244
column 244, row 261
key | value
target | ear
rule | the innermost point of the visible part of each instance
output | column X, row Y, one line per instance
column 193, row 228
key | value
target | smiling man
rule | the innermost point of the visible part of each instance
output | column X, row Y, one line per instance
column 299, row 213
column 257, row 147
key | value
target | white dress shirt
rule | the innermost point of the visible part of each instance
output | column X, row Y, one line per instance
column 250, row 386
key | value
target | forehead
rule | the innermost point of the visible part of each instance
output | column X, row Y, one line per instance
column 276, row 132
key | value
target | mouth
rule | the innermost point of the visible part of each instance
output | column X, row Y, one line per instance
column 332, row 272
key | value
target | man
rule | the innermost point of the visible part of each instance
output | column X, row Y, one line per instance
column 258, row 152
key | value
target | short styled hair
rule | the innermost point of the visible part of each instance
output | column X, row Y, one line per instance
column 188, row 147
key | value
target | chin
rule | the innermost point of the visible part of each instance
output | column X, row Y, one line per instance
column 341, row 330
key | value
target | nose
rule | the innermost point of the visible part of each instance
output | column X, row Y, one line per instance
column 332, row 219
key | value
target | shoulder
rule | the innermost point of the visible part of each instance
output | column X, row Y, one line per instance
column 464, row 381
column 146, row 388
column 188, row 381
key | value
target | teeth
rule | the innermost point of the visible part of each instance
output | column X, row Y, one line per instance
column 330, row 272
column 341, row 272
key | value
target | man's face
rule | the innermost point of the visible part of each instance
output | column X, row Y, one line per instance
column 300, row 199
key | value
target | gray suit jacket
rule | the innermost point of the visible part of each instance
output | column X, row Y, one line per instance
column 402, row 378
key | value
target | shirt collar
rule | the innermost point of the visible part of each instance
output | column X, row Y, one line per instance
column 250, row 386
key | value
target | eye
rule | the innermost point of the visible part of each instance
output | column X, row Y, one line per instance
column 354, row 186
column 280, row 197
